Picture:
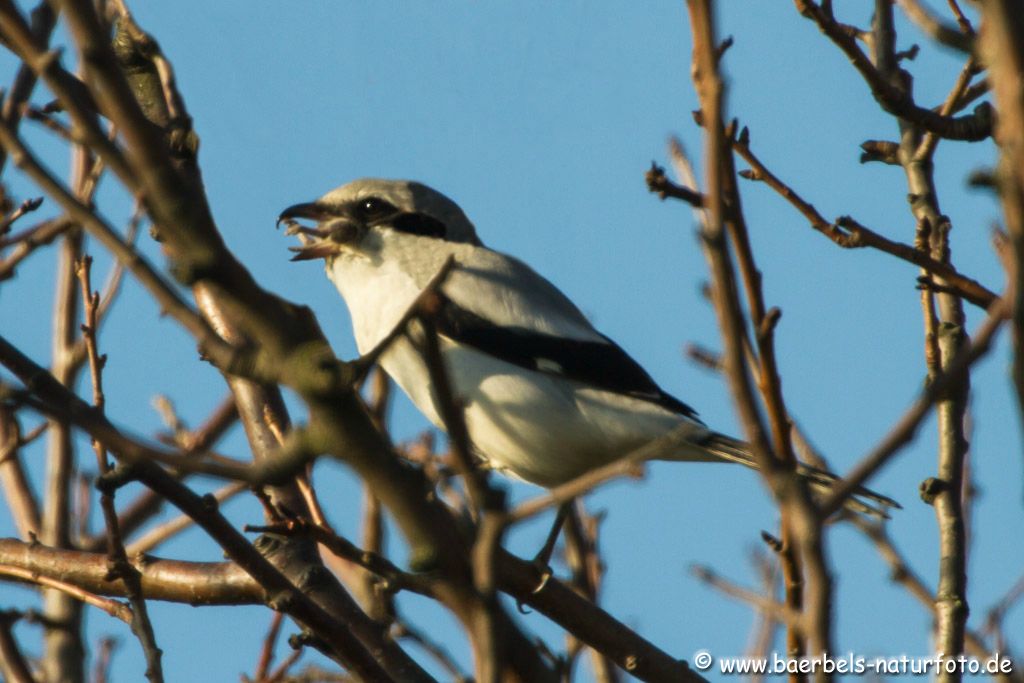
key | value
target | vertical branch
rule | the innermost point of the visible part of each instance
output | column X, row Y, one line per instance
column 799, row 514
column 119, row 566
column 583, row 556
column 944, row 320
column 64, row 658
column 1002, row 49
column 379, row 605
column 487, row 503
column 43, row 20
column 18, row 492
column 13, row 665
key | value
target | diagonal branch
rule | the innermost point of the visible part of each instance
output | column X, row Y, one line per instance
column 898, row 101
column 849, row 234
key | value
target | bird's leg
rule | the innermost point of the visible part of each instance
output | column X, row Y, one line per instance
column 542, row 559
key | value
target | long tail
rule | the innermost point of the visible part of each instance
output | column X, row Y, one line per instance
column 864, row 500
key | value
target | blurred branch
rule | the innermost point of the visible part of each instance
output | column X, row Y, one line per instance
column 119, row 567
column 776, row 610
column 164, row 532
column 939, row 30
column 18, row 492
column 811, row 591
column 1002, row 50
column 13, row 665
column 44, row 18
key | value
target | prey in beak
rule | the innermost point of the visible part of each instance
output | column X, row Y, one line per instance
column 324, row 240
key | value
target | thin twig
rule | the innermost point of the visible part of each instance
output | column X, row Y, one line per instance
column 114, row 608
column 896, row 101
column 27, row 242
column 167, row 530
column 26, row 207
column 849, row 234
column 937, row 28
column 903, row 574
column 777, row 610
column 120, row 567
column 18, row 492
column 171, row 302
column 267, row 651
column 903, row 431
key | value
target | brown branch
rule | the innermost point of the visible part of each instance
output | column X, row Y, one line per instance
column 801, row 524
column 70, row 92
column 120, row 568
column 1002, row 50
column 776, row 610
column 946, row 493
column 26, row 207
column 114, row 608
column 897, row 101
column 343, row 644
column 44, row 18
column 661, row 185
column 191, row 583
column 51, row 399
column 267, row 652
column 166, row 296
column 27, row 242
column 344, row 638
column 18, row 492
column 64, row 652
column 903, row 574
column 849, row 234
column 395, row 578
column 164, row 532
column 590, row 623
column 404, row 630
column 110, row 292
column 906, row 427
column 930, row 140
column 13, row 665
column 148, row 504
column 583, row 558
column 764, row 367
column 935, row 27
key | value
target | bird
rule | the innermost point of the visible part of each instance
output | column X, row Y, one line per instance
column 546, row 396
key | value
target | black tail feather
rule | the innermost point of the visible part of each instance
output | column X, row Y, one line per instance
column 864, row 500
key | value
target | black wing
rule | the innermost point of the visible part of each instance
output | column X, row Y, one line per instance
column 602, row 365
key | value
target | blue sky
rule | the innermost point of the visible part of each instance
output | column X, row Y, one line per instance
column 540, row 120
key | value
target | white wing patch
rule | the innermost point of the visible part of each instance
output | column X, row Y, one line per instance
column 548, row 365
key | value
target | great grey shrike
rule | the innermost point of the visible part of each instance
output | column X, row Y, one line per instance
column 547, row 397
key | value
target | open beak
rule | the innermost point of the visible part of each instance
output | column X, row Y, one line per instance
column 310, row 210
column 314, row 250
column 314, row 244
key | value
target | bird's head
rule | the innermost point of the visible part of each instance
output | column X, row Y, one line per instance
column 344, row 216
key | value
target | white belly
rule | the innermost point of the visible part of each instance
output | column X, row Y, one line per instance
column 539, row 427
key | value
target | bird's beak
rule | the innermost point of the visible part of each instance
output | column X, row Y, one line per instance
column 315, row 250
column 315, row 244
column 310, row 210
column 330, row 234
